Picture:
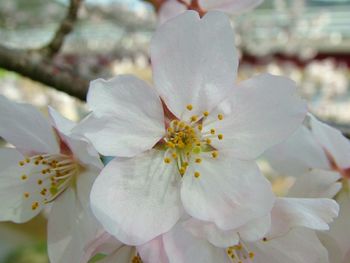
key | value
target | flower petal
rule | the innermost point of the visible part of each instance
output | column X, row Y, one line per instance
column 71, row 228
column 298, row 246
column 297, row 154
column 170, row 9
column 124, row 254
column 153, row 251
column 314, row 213
column 25, row 127
column 233, row 7
column 127, row 116
column 316, row 184
column 261, row 112
column 333, row 141
column 194, row 61
column 182, row 247
column 18, row 194
column 137, row 199
column 228, row 192
column 62, row 124
column 255, row 229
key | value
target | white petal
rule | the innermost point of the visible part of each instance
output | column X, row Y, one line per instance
column 15, row 206
column 210, row 232
column 228, row 192
column 127, row 116
column 25, row 127
column 71, row 228
column 137, row 199
column 333, row 141
column 122, row 255
column 182, row 247
column 62, row 124
column 194, row 61
column 153, row 251
column 255, row 229
column 230, row 6
column 316, row 184
column 260, row 113
column 340, row 230
column 297, row 154
column 314, row 213
column 298, row 246
column 170, row 9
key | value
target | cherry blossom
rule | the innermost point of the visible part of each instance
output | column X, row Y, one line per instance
column 49, row 167
column 198, row 153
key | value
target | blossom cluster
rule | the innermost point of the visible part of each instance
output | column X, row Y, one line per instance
column 183, row 185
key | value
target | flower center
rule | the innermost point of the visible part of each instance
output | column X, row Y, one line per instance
column 48, row 176
column 185, row 141
column 239, row 253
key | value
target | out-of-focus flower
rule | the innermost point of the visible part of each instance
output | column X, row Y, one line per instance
column 49, row 166
column 319, row 157
column 172, row 8
column 191, row 142
column 283, row 236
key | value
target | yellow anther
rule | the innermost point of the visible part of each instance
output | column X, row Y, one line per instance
column 40, row 182
column 220, row 136
column 185, row 164
column 21, row 163
column 264, row 239
column 26, row 195
column 167, row 160
column 200, row 127
column 169, row 129
column 35, row 205
column 220, row 117
column 24, row 177
column 37, row 162
column 194, row 118
column 206, row 114
column 251, row 255
column 208, row 141
column 170, row 144
column 197, row 174
column 198, row 160
column 182, row 125
column 212, row 131
column 189, row 107
column 27, row 160
column 43, row 192
column 214, row 154
column 182, row 170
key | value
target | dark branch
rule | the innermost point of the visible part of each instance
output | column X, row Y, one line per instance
column 33, row 65
column 63, row 30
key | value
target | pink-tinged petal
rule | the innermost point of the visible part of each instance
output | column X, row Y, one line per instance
column 228, row 192
column 71, row 228
column 210, row 232
column 316, row 184
column 194, row 61
column 313, row 213
column 124, row 254
column 137, row 199
column 62, row 124
column 182, row 247
column 233, row 7
column 104, row 244
column 336, row 144
column 297, row 154
column 153, row 251
column 127, row 116
column 260, row 113
column 298, row 246
column 25, row 127
column 170, row 9
column 77, row 143
column 18, row 189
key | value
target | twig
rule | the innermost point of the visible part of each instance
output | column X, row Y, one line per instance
column 66, row 26
column 31, row 64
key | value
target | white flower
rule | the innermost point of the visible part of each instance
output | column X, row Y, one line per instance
column 172, row 8
column 198, row 153
column 49, row 166
column 282, row 236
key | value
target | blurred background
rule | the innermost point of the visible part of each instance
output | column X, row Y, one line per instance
column 42, row 61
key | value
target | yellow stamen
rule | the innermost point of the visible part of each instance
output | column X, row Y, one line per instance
column 197, row 174
column 167, row 160
column 220, row 117
column 220, row 136
column 189, row 107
